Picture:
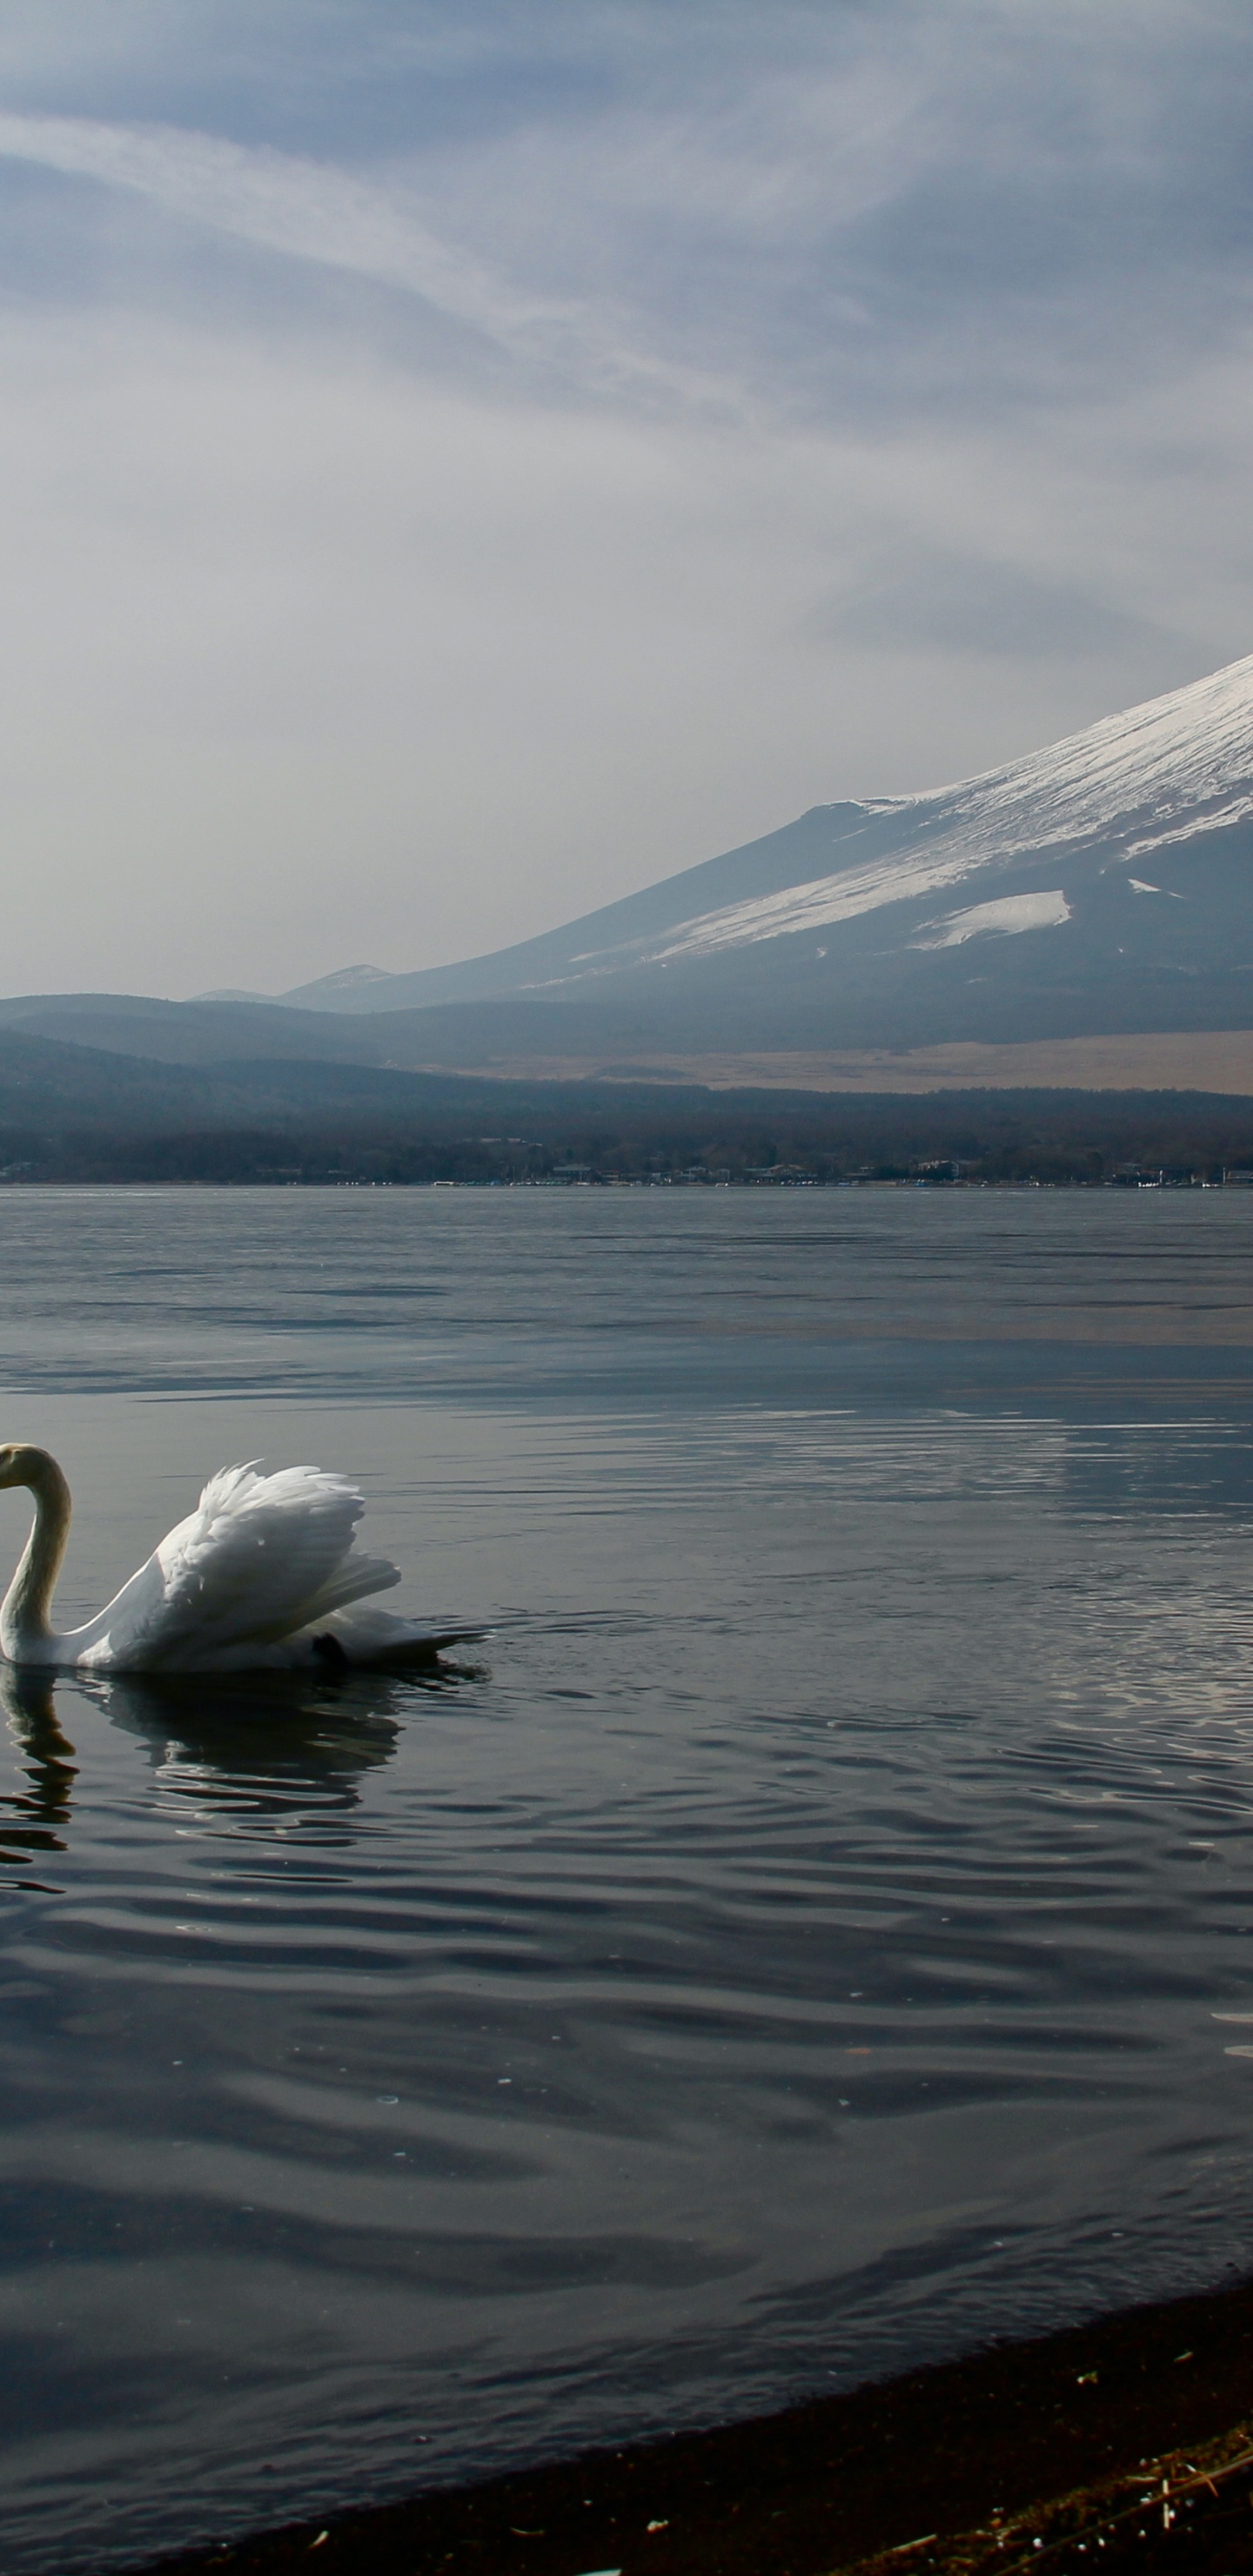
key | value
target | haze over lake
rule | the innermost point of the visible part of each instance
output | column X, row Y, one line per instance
column 812, row 1934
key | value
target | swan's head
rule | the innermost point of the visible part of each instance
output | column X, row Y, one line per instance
column 20, row 1464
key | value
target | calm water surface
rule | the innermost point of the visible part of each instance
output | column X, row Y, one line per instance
column 817, row 1931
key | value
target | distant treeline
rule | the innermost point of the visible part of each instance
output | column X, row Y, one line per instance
column 479, row 1132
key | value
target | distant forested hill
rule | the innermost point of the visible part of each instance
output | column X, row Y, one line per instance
column 74, row 1113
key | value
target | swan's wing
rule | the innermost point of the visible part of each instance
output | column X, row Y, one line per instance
column 258, row 1558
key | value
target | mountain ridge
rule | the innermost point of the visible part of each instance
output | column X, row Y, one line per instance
column 1101, row 888
column 1172, row 771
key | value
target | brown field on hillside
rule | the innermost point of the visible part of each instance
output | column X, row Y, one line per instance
column 1217, row 1060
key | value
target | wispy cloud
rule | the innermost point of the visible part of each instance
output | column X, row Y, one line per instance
column 312, row 211
column 302, row 208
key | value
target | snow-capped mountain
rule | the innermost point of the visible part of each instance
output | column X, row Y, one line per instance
column 1131, row 785
column 1104, row 883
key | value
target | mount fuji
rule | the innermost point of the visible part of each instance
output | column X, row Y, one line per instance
column 1103, row 885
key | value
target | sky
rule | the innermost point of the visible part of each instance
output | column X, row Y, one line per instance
column 464, row 460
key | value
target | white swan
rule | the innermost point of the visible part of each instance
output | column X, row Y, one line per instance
column 258, row 1577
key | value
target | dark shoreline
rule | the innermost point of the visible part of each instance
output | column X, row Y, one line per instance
column 1128, row 2441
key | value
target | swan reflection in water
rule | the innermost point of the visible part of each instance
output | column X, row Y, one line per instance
column 29, row 1818
column 243, row 1750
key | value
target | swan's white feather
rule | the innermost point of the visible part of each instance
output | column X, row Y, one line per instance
column 259, row 1559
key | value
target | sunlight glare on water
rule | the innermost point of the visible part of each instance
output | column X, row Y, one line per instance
column 810, row 1935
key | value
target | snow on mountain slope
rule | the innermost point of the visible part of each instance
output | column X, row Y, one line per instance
column 1152, row 770
column 1013, row 914
column 1134, row 782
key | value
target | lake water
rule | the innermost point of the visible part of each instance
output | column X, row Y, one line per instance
column 814, row 1933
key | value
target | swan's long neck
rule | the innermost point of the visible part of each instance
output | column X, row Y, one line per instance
column 24, row 1614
